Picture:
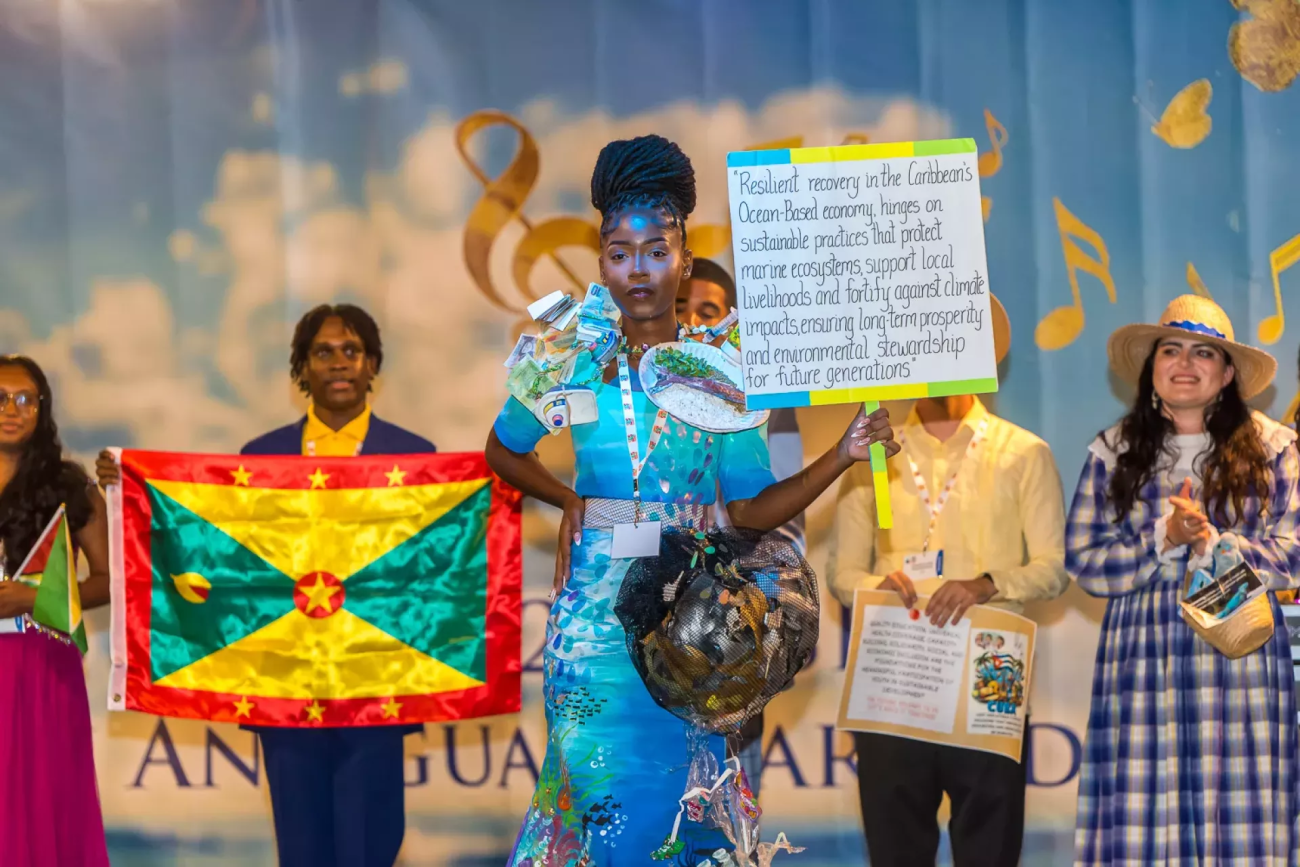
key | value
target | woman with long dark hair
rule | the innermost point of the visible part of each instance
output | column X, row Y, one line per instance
column 1191, row 754
column 615, row 765
column 49, row 804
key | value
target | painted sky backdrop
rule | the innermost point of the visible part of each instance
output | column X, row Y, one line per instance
column 180, row 179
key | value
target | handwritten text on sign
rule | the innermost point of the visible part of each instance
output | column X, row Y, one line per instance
column 861, row 273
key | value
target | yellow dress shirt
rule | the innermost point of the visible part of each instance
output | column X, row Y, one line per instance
column 343, row 443
column 1005, row 516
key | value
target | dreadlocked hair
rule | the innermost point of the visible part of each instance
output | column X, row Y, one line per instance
column 645, row 172
column 44, row 480
column 1235, row 468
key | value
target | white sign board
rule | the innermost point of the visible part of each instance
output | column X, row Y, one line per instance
column 861, row 273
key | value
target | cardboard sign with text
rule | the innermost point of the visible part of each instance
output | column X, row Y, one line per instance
column 964, row 685
column 861, row 273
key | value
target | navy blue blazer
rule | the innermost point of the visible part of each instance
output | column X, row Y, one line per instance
column 382, row 438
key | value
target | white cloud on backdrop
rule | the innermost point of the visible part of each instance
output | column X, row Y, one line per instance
column 279, row 233
column 120, row 364
column 383, row 77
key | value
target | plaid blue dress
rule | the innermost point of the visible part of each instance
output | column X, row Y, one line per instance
column 1191, row 757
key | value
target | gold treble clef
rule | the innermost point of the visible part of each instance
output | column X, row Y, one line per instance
column 503, row 200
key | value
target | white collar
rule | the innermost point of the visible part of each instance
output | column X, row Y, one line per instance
column 1277, row 438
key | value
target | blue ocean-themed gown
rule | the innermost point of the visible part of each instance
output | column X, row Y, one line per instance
column 615, row 762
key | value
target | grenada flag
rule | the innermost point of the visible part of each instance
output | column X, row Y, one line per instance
column 51, row 568
column 301, row 592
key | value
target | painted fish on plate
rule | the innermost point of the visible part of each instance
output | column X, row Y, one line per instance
column 698, row 384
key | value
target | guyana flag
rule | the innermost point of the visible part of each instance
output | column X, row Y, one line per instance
column 300, row 592
column 51, row 568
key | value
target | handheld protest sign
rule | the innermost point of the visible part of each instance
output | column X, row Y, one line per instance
column 861, row 276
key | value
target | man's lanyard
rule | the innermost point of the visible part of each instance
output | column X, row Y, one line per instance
column 633, row 440
column 934, row 508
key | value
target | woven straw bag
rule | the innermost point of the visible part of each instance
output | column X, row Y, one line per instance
column 1244, row 632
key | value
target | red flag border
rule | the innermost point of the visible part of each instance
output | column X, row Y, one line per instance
column 132, row 687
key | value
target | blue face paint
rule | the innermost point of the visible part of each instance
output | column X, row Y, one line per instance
column 637, row 223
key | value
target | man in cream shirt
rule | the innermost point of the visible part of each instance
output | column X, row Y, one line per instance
column 988, row 495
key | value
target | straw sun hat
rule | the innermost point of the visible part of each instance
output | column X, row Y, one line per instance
column 1203, row 320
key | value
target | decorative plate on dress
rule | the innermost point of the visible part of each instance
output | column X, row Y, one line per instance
column 697, row 383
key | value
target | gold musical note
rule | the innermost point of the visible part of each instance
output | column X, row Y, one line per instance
column 1271, row 328
column 1196, row 284
column 1061, row 326
column 1185, row 122
column 503, row 198
column 990, row 162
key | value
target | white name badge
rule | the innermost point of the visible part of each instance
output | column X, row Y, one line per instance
column 921, row 567
column 636, row 540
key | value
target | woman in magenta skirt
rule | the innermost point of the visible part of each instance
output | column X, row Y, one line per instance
column 49, row 803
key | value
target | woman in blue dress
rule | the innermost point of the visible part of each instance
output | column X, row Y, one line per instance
column 616, row 763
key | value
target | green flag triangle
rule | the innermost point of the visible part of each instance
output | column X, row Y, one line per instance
column 52, row 567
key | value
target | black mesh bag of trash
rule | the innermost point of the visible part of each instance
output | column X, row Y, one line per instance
column 719, row 623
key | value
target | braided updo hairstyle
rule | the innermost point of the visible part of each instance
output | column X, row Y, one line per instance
column 645, row 172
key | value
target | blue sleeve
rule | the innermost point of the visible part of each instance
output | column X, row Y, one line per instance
column 517, row 428
column 1272, row 550
column 746, row 466
column 1107, row 558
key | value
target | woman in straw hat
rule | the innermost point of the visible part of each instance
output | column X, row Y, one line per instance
column 1191, row 756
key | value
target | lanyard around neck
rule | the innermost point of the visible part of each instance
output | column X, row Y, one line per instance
column 934, row 508
column 633, row 439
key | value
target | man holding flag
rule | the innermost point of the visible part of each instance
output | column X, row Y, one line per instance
column 337, row 793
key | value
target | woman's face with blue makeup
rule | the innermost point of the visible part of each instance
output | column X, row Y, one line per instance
column 642, row 261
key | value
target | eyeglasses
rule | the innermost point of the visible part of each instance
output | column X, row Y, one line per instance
column 25, row 403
